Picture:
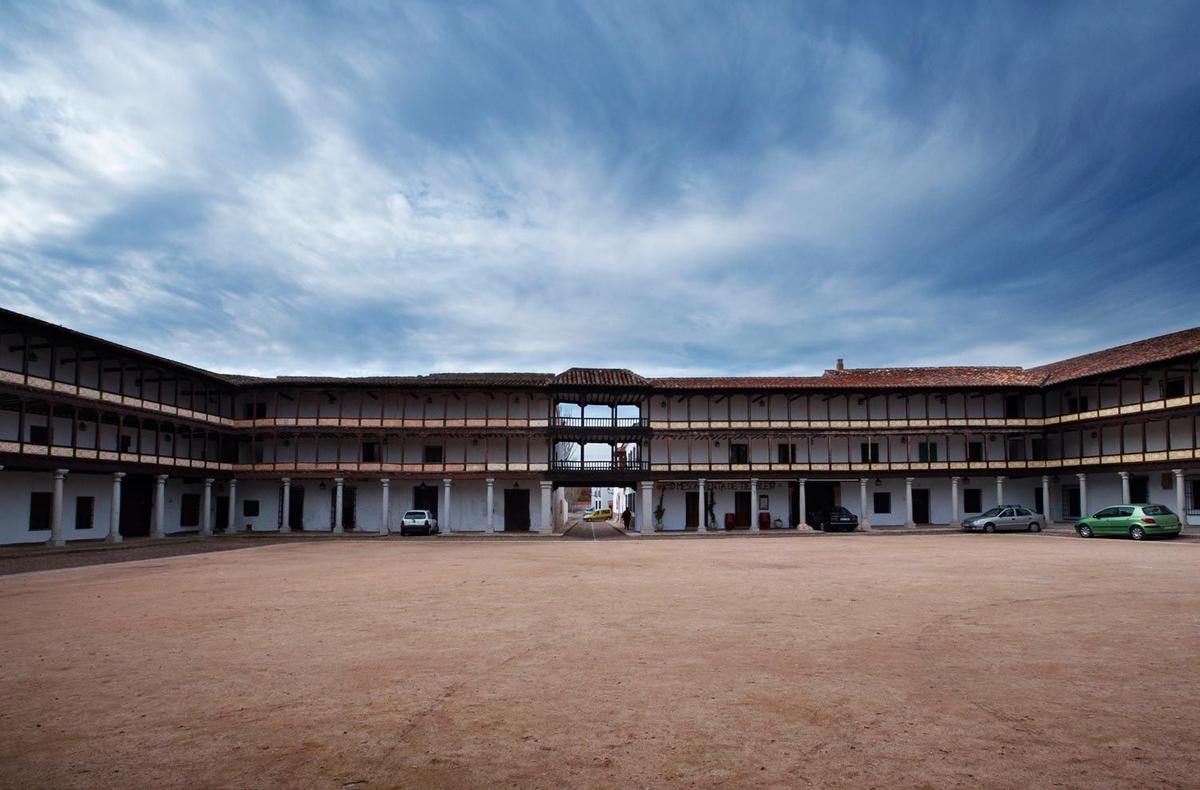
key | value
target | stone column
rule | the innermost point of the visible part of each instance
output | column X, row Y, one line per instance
column 206, row 508
column 160, row 505
column 802, row 504
column 285, row 516
column 1124, row 486
column 1180, row 497
column 646, row 509
column 338, row 527
column 232, row 507
column 1046, row 504
column 1083, row 507
column 863, row 521
column 1000, row 490
column 385, row 517
column 754, row 504
column 56, row 508
column 908, row 503
column 491, row 504
column 114, row 509
column 444, row 516
column 703, row 527
column 954, row 500
column 547, row 526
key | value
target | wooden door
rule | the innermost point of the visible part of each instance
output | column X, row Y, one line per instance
column 516, row 510
column 691, row 500
column 741, row 509
column 920, row 505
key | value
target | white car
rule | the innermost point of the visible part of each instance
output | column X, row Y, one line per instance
column 418, row 522
column 1005, row 517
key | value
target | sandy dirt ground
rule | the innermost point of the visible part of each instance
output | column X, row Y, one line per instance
column 922, row 661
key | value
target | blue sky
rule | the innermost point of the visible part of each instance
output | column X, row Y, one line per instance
column 674, row 187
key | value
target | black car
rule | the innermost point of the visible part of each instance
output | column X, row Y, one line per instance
column 837, row 518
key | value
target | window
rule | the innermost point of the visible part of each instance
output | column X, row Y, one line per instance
column 1194, row 506
column 739, row 453
column 927, row 452
column 1037, row 448
column 39, row 434
column 1076, row 404
column 787, row 453
column 974, row 451
column 1022, row 511
column 1016, row 448
column 85, row 512
column 972, row 500
column 433, row 454
column 254, row 411
column 1014, row 406
column 883, row 502
column 40, row 503
column 869, row 452
column 1174, row 388
column 259, row 453
column 189, row 510
column 370, row 452
column 250, row 508
column 126, row 442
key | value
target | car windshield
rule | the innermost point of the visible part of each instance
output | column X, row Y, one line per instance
column 839, row 511
column 991, row 513
column 415, row 514
column 1157, row 510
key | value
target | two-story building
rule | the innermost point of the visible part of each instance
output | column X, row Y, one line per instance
column 99, row 441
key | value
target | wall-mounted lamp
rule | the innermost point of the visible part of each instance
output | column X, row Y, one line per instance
column 878, row 482
column 83, row 426
column 322, row 486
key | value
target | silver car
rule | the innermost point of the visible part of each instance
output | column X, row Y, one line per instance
column 421, row 522
column 1005, row 517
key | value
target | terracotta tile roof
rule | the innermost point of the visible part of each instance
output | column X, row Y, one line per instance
column 868, row 378
column 599, row 377
column 430, row 380
column 1141, row 352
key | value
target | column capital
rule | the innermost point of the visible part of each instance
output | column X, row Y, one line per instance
column 59, row 474
column 801, row 480
column 1124, row 475
column 339, row 480
column 446, row 481
column 550, row 483
column 387, row 481
column 118, row 476
column 161, row 478
column 700, row 480
column 955, row 478
column 1081, row 475
column 1176, row 472
column 1001, row 477
column 284, row 480
column 491, row 481
column 909, row 480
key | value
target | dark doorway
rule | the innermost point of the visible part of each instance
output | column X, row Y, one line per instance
column 349, row 497
column 819, row 496
column 137, row 502
column 222, row 514
column 741, row 509
column 1139, row 490
column 1070, row 503
column 516, row 510
column 1039, row 502
column 426, row 498
column 691, row 506
column 920, row 505
column 296, row 508
column 793, row 505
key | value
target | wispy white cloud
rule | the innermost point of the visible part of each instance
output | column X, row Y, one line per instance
column 481, row 188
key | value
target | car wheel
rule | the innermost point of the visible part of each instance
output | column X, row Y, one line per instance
column 1084, row 531
column 989, row 527
column 1035, row 527
column 1137, row 533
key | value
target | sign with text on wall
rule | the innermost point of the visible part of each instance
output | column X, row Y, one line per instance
column 718, row 485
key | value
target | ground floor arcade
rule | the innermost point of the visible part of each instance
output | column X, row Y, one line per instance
column 64, row 505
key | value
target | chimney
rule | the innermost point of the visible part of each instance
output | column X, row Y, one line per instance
column 841, row 365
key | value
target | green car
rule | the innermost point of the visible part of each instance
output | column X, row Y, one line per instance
column 1136, row 521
